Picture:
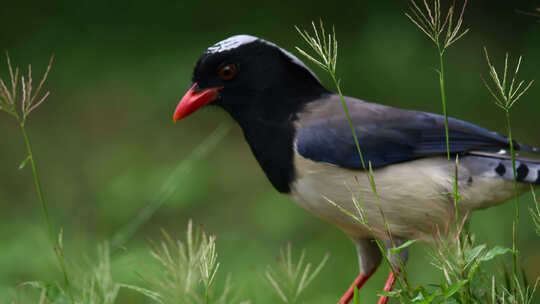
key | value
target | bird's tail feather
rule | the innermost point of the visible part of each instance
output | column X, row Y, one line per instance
column 526, row 148
column 527, row 169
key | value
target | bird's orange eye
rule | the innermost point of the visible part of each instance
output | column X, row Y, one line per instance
column 227, row 72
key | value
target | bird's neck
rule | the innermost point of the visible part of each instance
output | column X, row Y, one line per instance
column 272, row 145
column 270, row 136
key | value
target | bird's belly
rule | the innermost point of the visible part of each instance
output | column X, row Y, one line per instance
column 412, row 196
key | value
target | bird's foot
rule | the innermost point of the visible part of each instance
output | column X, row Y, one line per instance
column 388, row 286
column 358, row 283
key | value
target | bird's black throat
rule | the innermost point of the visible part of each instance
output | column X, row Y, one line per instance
column 268, row 126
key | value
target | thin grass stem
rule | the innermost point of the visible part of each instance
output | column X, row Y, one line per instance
column 349, row 120
column 55, row 246
column 516, row 198
column 443, row 100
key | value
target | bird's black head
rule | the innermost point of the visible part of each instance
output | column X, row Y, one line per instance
column 251, row 79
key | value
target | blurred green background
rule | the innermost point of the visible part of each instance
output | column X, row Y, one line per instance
column 105, row 143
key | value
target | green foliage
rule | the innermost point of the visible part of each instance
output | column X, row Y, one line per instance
column 187, row 274
column 460, row 262
column 520, row 293
column 103, row 93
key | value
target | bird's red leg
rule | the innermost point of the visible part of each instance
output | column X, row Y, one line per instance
column 388, row 287
column 358, row 283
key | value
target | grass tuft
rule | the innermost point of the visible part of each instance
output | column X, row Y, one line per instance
column 187, row 271
column 94, row 286
column 506, row 91
column 290, row 279
column 21, row 106
column 459, row 259
column 99, row 286
column 523, row 294
column 440, row 28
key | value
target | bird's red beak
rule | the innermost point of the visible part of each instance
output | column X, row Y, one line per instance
column 194, row 99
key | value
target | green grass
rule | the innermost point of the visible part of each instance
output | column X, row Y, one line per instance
column 106, row 148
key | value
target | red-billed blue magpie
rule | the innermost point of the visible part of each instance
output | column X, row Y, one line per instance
column 298, row 132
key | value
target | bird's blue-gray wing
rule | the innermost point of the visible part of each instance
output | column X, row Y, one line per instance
column 389, row 138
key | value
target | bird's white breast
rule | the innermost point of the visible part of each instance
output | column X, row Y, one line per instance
column 414, row 196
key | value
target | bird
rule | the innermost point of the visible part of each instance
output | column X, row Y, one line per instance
column 299, row 134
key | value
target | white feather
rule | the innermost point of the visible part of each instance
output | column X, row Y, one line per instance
column 240, row 40
column 414, row 196
column 231, row 43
